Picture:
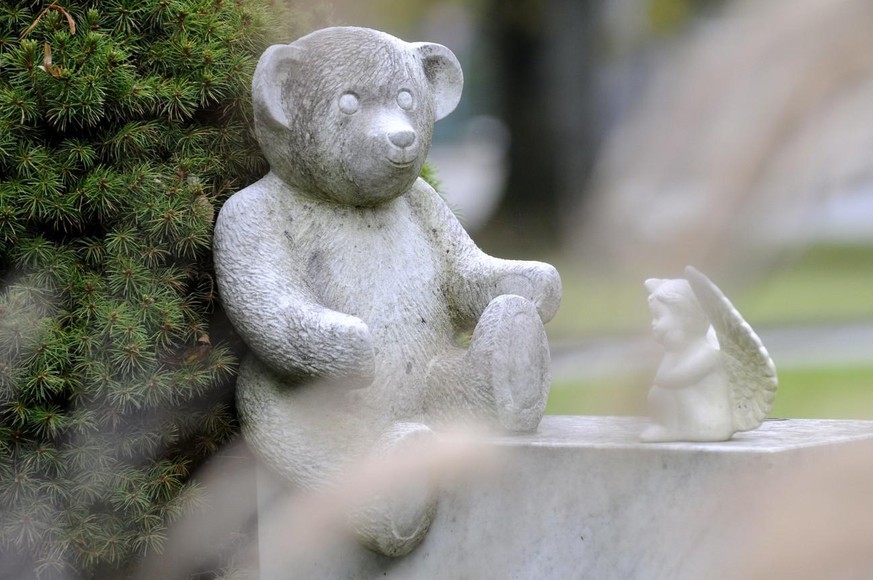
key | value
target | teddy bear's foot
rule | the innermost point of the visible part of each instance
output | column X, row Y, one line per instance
column 510, row 345
column 395, row 520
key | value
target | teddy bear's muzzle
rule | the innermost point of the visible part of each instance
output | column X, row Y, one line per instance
column 402, row 138
column 403, row 150
column 398, row 140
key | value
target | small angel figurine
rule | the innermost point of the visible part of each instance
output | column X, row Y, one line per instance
column 716, row 378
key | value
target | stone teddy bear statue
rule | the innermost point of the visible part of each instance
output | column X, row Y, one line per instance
column 349, row 278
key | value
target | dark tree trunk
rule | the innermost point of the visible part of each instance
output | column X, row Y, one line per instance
column 543, row 59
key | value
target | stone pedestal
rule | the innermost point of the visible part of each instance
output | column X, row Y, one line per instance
column 583, row 498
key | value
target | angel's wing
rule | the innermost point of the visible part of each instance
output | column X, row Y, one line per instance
column 749, row 368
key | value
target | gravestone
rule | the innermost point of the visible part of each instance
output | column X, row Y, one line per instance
column 584, row 498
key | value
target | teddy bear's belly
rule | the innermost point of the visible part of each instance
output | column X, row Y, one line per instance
column 392, row 280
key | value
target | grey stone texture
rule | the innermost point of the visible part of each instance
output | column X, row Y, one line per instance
column 583, row 498
column 350, row 280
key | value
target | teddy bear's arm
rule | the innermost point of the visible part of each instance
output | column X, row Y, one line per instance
column 478, row 278
column 474, row 278
column 271, row 307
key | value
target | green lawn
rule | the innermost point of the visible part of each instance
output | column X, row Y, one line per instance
column 826, row 285
column 822, row 393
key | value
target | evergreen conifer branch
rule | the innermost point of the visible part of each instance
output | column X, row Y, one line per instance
column 124, row 124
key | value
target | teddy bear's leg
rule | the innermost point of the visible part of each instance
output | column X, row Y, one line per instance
column 395, row 521
column 510, row 348
column 313, row 437
column 457, row 392
column 304, row 432
column 504, row 374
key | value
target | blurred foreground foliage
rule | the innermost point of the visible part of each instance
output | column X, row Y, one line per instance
column 124, row 125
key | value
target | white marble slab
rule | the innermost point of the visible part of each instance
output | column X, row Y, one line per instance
column 583, row 498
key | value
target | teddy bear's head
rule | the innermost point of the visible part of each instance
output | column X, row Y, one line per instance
column 346, row 114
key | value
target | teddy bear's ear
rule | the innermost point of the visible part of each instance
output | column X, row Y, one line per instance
column 444, row 73
column 275, row 67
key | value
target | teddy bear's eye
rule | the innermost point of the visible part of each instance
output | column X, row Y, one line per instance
column 405, row 100
column 348, row 103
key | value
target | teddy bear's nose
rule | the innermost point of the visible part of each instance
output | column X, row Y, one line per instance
column 402, row 139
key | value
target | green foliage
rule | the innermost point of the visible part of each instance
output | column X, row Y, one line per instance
column 429, row 174
column 123, row 127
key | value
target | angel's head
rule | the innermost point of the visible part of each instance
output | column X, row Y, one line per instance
column 677, row 316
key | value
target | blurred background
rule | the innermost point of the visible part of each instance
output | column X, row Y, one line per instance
column 623, row 139
column 616, row 139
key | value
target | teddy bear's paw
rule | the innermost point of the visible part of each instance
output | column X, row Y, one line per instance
column 511, row 346
column 395, row 519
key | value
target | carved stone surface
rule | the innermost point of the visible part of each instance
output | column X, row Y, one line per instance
column 349, row 279
column 584, row 498
column 716, row 378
